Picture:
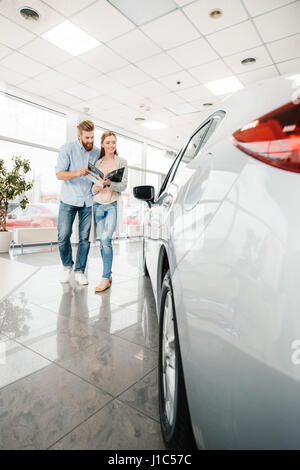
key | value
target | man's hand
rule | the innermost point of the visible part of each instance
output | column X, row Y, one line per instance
column 82, row 172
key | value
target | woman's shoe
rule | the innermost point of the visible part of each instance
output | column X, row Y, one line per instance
column 104, row 284
column 110, row 279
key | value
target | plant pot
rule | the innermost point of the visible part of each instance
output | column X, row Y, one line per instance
column 5, row 239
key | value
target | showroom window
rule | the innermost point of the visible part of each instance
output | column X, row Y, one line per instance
column 132, row 218
column 34, row 133
column 20, row 120
column 157, row 161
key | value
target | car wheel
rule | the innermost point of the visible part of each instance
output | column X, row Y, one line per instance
column 173, row 407
column 145, row 269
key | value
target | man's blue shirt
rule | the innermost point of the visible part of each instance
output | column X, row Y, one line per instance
column 73, row 156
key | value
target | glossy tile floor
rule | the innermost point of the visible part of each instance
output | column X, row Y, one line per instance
column 78, row 370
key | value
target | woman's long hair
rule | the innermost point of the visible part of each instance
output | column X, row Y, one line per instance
column 103, row 137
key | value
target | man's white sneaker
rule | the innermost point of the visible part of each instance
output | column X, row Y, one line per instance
column 81, row 278
column 65, row 275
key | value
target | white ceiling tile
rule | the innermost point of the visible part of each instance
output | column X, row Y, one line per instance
column 43, row 51
column 193, row 53
column 279, row 23
column 171, row 30
column 48, row 16
column 159, row 65
column 13, row 35
column 257, row 75
column 129, row 76
column 151, row 89
column 195, row 93
column 11, row 77
column 68, row 7
column 103, row 59
column 78, row 69
column 257, row 7
column 82, row 91
column 143, row 11
column 259, row 53
column 181, row 109
column 105, row 102
column 102, row 21
column 235, row 39
column 57, row 79
column 4, row 51
column 37, row 88
column 198, row 13
column 63, row 98
column 181, row 3
column 285, row 49
column 290, row 66
column 103, row 84
column 168, row 100
column 106, row 85
column 212, row 71
column 185, row 79
column 22, row 64
column 134, row 46
column 200, row 104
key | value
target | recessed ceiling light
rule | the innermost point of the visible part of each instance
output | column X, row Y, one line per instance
column 215, row 14
column 248, row 60
column 29, row 14
column 225, row 85
column 154, row 125
column 70, row 38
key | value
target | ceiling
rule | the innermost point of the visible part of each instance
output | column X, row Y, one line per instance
column 144, row 53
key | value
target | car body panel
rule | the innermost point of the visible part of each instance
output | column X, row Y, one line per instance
column 231, row 234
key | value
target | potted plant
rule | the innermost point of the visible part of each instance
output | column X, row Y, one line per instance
column 12, row 184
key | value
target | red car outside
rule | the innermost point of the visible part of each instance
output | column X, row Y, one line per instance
column 35, row 215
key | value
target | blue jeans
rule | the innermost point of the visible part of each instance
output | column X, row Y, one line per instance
column 106, row 220
column 66, row 216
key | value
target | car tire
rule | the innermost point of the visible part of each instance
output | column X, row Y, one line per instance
column 175, row 419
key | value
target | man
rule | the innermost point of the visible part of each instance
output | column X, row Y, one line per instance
column 76, row 198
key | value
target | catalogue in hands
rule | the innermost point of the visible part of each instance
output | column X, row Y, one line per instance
column 114, row 176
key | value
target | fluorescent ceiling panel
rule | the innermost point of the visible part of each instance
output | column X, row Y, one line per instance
column 225, row 85
column 70, row 38
column 184, row 108
column 143, row 11
column 154, row 125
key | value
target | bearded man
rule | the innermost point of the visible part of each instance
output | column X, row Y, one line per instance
column 76, row 198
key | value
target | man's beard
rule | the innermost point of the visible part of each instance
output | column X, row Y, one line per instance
column 87, row 146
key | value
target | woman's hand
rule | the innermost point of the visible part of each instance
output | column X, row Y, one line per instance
column 106, row 182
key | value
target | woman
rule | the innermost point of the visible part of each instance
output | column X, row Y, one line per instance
column 107, row 202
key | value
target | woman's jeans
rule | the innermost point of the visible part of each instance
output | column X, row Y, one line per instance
column 66, row 218
column 106, row 220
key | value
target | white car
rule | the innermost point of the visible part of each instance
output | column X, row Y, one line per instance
column 222, row 248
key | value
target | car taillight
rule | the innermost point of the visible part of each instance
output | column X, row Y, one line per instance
column 273, row 138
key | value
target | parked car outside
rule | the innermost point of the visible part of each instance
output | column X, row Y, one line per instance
column 222, row 249
column 34, row 215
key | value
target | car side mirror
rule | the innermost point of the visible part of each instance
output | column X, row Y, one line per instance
column 144, row 193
